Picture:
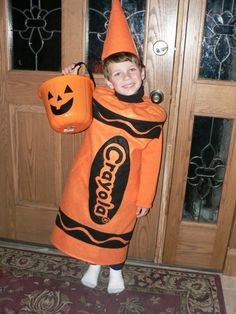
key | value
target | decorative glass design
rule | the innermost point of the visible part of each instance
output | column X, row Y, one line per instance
column 99, row 12
column 218, row 59
column 35, row 34
column 208, row 159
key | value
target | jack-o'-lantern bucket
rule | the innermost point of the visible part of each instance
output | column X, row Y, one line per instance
column 68, row 101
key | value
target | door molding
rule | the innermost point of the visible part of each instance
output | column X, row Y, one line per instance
column 171, row 131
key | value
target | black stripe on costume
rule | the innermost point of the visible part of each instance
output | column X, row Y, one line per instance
column 136, row 128
column 89, row 235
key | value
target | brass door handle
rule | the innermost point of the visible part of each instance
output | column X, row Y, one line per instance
column 157, row 96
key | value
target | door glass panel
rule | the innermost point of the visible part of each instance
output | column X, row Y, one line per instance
column 208, row 159
column 99, row 12
column 35, row 34
column 218, row 59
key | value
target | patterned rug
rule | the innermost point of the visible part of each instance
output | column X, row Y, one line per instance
column 38, row 283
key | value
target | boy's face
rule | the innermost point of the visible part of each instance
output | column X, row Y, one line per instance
column 125, row 77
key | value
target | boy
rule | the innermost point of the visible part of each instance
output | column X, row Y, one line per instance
column 113, row 179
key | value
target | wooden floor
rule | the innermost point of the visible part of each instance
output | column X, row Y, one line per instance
column 229, row 288
column 228, row 283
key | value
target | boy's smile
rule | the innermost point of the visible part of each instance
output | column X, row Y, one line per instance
column 125, row 77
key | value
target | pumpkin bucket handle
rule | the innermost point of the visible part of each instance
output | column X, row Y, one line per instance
column 90, row 73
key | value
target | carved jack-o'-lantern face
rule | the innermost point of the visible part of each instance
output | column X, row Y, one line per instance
column 65, row 106
column 68, row 102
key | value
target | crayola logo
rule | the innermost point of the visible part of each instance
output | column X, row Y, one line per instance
column 108, row 179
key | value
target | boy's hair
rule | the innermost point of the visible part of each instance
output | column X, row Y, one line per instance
column 120, row 57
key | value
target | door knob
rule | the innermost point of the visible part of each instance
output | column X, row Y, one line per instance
column 157, row 96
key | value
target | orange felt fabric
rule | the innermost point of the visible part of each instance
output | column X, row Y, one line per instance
column 118, row 37
column 115, row 170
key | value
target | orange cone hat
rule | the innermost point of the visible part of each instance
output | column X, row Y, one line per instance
column 118, row 37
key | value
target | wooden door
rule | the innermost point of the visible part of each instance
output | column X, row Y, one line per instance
column 202, row 195
column 35, row 160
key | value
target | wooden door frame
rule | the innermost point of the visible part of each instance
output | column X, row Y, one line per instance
column 5, row 218
column 171, row 131
column 230, row 260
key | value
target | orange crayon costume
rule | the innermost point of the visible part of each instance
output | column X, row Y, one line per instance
column 115, row 171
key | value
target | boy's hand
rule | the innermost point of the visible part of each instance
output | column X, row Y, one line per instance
column 140, row 212
column 71, row 69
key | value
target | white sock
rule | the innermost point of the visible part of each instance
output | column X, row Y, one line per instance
column 90, row 278
column 116, row 281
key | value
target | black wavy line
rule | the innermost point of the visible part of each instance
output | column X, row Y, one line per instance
column 104, row 238
column 149, row 129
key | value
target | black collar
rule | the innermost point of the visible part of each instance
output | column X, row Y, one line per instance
column 136, row 98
